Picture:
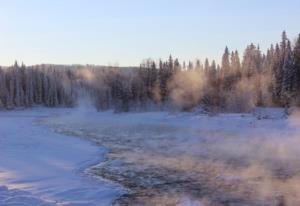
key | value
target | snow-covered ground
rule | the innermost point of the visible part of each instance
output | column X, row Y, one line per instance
column 162, row 158
column 40, row 167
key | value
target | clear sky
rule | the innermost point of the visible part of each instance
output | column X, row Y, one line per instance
column 127, row 31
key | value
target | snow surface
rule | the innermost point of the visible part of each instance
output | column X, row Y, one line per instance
column 255, row 156
column 40, row 167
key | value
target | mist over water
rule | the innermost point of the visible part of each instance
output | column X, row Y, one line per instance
column 170, row 130
column 252, row 158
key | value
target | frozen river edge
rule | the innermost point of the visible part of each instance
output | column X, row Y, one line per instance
column 162, row 158
column 41, row 167
column 193, row 159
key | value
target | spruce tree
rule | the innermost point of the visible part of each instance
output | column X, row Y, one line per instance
column 226, row 62
column 289, row 73
column 296, row 79
column 277, row 77
column 206, row 66
column 3, row 90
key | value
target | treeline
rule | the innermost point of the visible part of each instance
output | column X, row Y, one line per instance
column 22, row 86
column 238, row 84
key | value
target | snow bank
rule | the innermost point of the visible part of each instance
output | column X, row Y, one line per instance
column 46, row 165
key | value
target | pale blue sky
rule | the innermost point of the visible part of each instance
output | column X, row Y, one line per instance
column 127, row 31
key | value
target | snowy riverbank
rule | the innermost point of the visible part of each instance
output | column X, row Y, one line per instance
column 40, row 167
column 160, row 158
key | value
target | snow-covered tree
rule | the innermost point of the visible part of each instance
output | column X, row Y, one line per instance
column 226, row 62
column 289, row 73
